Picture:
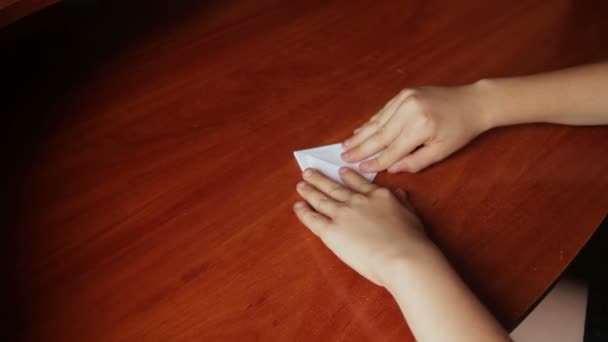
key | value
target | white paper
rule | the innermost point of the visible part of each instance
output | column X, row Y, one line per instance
column 327, row 160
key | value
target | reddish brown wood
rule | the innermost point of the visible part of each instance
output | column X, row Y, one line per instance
column 13, row 10
column 157, row 205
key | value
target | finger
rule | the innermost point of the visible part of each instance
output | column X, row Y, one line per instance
column 373, row 118
column 355, row 131
column 355, row 181
column 379, row 140
column 376, row 121
column 310, row 218
column 393, row 106
column 420, row 159
column 399, row 148
column 363, row 133
column 327, row 186
column 318, row 200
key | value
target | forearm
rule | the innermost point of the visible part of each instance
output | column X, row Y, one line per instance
column 437, row 305
column 575, row 96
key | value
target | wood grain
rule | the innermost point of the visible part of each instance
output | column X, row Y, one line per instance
column 152, row 192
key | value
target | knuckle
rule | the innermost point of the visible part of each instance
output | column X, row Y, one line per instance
column 381, row 132
column 357, row 151
column 358, row 198
column 413, row 167
column 335, row 190
column 371, row 125
column 308, row 219
column 383, row 160
column 339, row 209
column 427, row 122
column 377, row 162
column 309, row 216
column 343, row 211
column 378, row 138
column 422, row 110
column 393, row 151
column 313, row 178
column 382, row 192
column 405, row 167
column 406, row 92
column 318, row 180
column 327, row 205
column 418, row 103
column 305, row 192
column 339, row 213
column 320, row 202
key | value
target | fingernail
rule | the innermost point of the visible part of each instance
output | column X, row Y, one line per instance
column 345, row 155
column 299, row 205
column 343, row 170
column 301, row 185
column 347, row 142
column 308, row 172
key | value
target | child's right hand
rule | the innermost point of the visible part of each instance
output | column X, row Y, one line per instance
column 418, row 128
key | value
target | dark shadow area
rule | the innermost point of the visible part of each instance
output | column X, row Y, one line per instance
column 44, row 57
column 581, row 33
column 590, row 266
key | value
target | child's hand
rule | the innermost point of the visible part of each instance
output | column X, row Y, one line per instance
column 440, row 120
column 377, row 234
column 366, row 226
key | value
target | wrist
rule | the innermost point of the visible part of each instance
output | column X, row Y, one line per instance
column 485, row 93
column 408, row 265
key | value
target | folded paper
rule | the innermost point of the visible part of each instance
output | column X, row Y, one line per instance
column 327, row 160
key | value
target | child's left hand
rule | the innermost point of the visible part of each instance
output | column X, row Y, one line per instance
column 376, row 232
column 370, row 228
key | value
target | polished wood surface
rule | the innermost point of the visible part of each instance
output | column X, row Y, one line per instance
column 155, row 178
column 13, row 10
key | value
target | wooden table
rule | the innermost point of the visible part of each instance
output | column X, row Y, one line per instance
column 155, row 176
